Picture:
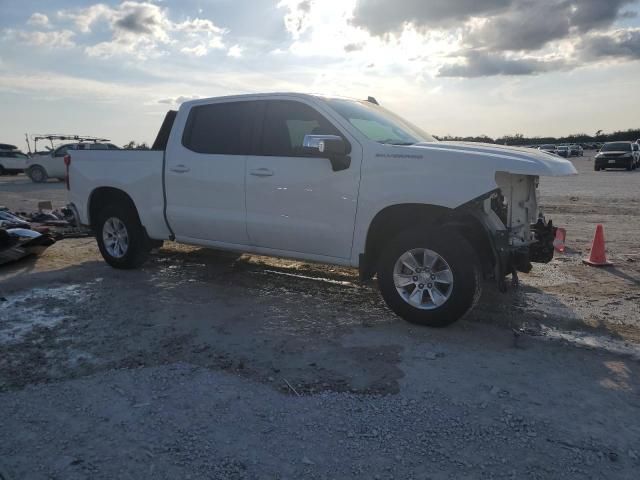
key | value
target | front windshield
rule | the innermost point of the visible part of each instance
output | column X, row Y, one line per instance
column 379, row 124
column 562, row 147
column 548, row 147
column 617, row 147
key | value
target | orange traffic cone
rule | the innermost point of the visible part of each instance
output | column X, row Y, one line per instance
column 598, row 257
column 558, row 243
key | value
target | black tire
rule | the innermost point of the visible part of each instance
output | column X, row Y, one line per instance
column 139, row 245
column 630, row 166
column 2, row 171
column 37, row 174
column 597, row 169
column 464, row 266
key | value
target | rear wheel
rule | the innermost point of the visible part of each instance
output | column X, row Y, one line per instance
column 122, row 240
column 37, row 174
column 2, row 170
column 630, row 166
column 429, row 278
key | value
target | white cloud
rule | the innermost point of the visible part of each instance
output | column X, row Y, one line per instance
column 198, row 25
column 86, row 17
column 144, row 30
column 177, row 101
column 235, row 51
column 297, row 19
column 38, row 20
column 49, row 39
column 200, row 36
column 196, row 51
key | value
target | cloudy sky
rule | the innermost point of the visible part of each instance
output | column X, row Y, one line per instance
column 461, row 67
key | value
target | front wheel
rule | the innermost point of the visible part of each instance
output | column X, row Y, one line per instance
column 37, row 174
column 121, row 238
column 429, row 278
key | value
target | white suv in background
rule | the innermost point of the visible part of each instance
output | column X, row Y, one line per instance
column 12, row 160
column 42, row 166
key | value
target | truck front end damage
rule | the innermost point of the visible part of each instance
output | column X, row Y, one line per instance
column 519, row 234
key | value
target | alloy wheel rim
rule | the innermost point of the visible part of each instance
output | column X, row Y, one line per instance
column 115, row 237
column 423, row 279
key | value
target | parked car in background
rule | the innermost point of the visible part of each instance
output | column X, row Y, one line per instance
column 562, row 150
column 547, row 148
column 616, row 155
column 12, row 160
column 42, row 166
column 329, row 180
column 575, row 150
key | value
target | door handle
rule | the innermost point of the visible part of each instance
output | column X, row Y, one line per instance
column 262, row 172
column 180, row 169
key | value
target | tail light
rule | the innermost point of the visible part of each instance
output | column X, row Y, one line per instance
column 67, row 163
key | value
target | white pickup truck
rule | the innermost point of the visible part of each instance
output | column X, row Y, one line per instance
column 324, row 179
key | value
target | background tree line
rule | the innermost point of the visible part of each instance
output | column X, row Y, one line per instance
column 630, row 135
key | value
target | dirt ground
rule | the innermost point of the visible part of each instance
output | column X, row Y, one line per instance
column 205, row 365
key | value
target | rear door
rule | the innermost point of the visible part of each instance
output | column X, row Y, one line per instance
column 297, row 203
column 205, row 171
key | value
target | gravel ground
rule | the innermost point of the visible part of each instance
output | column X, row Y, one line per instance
column 205, row 365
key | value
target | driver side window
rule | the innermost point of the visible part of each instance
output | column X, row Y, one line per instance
column 285, row 125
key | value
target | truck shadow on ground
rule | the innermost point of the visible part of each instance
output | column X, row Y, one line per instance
column 279, row 322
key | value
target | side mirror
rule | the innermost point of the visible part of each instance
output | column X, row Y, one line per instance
column 332, row 147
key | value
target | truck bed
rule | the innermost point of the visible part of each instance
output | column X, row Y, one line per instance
column 137, row 172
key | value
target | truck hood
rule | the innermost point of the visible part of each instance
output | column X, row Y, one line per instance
column 524, row 161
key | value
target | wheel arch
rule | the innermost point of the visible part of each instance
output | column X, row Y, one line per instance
column 36, row 165
column 394, row 219
column 102, row 196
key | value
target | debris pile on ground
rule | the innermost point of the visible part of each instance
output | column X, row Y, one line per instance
column 16, row 243
column 23, row 234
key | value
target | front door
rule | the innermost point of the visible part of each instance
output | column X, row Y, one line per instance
column 296, row 203
column 205, row 172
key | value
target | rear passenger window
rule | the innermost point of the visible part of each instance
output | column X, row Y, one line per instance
column 285, row 125
column 221, row 128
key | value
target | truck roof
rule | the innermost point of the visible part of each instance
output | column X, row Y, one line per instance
column 249, row 96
